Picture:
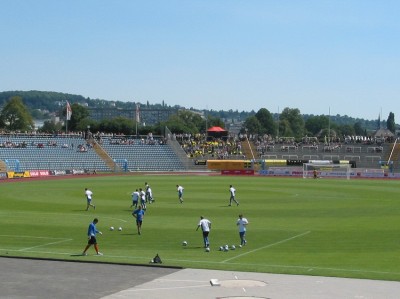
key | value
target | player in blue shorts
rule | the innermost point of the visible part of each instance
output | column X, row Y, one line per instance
column 92, row 231
column 139, row 214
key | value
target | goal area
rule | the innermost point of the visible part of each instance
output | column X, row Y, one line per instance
column 318, row 170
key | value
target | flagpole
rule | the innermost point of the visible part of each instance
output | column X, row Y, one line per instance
column 66, row 119
column 137, row 118
column 67, row 116
column 277, row 130
column 329, row 127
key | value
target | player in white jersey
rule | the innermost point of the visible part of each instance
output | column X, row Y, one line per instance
column 232, row 192
column 135, row 198
column 242, row 224
column 205, row 225
column 180, row 189
column 89, row 203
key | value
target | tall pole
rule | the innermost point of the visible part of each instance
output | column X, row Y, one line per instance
column 277, row 130
column 66, row 119
column 206, row 125
column 205, row 114
column 68, row 114
column 329, row 127
column 137, row 118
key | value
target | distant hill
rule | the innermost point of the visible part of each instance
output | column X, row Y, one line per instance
column 45, row 100
column 52, row 101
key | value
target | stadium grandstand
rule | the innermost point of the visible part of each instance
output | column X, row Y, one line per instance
column 361, row 151
column 82, row 153
column 77, row 153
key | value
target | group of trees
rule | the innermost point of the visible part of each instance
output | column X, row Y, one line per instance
column 16, row 116
column 292, row 124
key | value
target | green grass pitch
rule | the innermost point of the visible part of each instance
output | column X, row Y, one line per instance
column 326, row 227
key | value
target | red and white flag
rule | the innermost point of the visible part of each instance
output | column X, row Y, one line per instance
column 137, row 113
column 69, row 111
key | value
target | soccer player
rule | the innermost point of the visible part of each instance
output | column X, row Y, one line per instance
column 232, row 192
column 146, row 187
column 88, row 195
column 142, row 196
column 205, row 225
column 139, row 214
column 92, row 231
column 242, row 223
column 149, row 194
column 180, row 193
column 135, row 198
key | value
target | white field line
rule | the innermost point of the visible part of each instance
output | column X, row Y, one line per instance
column 267, row 246
column 43, row 245
column 33, row 237
column 208, row 262
column 61, row 240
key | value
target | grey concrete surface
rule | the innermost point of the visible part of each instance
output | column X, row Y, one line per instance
column 27, row 278
column 30, row 278
column 195, row 284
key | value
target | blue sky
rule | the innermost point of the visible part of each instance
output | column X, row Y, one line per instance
column 337, row 57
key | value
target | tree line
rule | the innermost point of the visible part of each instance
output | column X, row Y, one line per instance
column 291, row 123
column 17, row 114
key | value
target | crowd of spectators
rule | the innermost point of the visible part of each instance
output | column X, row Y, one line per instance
column 41, row 141
column 201, row 146
column 149, row 139
column 10, row 144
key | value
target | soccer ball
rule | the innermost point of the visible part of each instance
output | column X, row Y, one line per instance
column 226, row 248
column 184, row 243
column 233, row 247
column 120, row 228
column 208, row 249
column 112, row 228
column 221, row 248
